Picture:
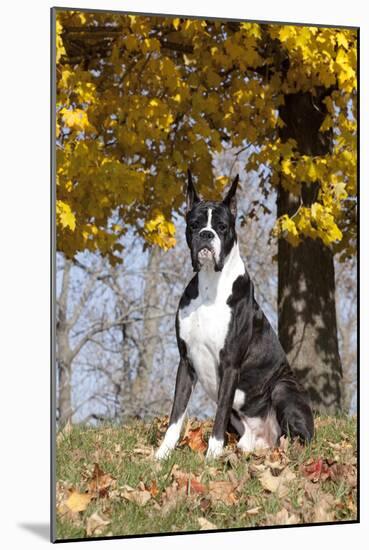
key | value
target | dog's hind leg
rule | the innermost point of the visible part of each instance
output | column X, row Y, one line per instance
column 293, row 410
column 236, row 423
column 259, row 432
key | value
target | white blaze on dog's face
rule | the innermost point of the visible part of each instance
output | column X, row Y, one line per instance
column 209, row 255
column 210, row 230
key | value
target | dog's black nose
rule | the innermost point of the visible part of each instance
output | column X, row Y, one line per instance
column 206, row 235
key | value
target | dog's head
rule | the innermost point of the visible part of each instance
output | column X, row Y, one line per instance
column 210, row 230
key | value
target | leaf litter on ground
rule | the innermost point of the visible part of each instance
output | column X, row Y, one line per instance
column 295, row 475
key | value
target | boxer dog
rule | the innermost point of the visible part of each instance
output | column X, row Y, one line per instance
column 226, row 342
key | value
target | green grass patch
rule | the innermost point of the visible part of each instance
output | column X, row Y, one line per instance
column 129, row 493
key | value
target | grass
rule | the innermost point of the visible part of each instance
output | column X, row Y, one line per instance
column 321, row 486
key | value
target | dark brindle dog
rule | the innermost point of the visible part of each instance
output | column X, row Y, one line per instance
column 226, row 342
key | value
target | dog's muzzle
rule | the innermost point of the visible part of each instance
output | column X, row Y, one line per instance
column 205, row 255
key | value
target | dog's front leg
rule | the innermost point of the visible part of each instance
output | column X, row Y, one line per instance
column 227, row 388
column 185, row 382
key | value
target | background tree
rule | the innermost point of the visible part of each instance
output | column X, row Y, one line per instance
column 140, row 99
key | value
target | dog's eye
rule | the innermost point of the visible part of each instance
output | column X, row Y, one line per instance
column 194, row 226
column 222, row 227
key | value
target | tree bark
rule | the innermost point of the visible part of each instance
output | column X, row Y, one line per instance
column 150, row 332
column 64, row 359
column 306, row 284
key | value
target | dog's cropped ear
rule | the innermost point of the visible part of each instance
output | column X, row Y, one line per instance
column 230, row 199
column 192, row 196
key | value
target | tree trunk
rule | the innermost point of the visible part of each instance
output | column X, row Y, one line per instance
column 64, row 360
column 150, row 333
column 65, row 393
column 306, row 284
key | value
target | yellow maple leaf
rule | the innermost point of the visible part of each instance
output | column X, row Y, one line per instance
column 176, row 22
column 78, row 502
column 65, row 215
column 75, row 118
column 161, row 232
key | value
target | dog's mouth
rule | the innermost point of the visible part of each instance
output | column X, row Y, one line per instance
column 205, row 255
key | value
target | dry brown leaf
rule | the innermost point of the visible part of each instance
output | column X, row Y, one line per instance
column 256, row 469
column 222, row 491
column 78, row 502
column 232, row 439
column 144, row 450
column 277, row 484
column 315, row 470
column 66, row 513
column 260, row 453
column 323, row 509
column 213, row 471
column 188, row 480
column 205, row 524
column 195, row 440
column 153, row 488
column 269, row 481
column 100, row 482
column 62, row 492
column 242, row 482
column 276, row 460
column 96, row 524
column 283, row 443
column 172, row 496
column 205, row 504
column 283, row 517
column 231, row 458
column 233, row 478
column 138, row 496
column 253, row 511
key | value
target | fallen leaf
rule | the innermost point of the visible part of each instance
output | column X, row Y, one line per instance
column 283, row 517
column 100, row 482
column 205, row 524
column 188, row 480
column 232, row 439
column 213, row 471
column 253, row 511
column 231, row 458
column 269, row 481
column 153, row 488
column 144, row 451
column 138, row 496
column 316, row 470
column 67, row 513
column 256, row 469
column 96, row 524
column 195, row 440
column 222, row 491
column 343, row 472
column 283, row 443
column 323, row 509
column 78, row 502
column 205, row 504
column 233, row 478
column 242, row 482
column 276, row 460
column 277, row 484
column 172, row 496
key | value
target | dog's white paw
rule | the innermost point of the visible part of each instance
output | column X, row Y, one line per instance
column 245, row 446
column 250, row 444
column 215, row 448
column 163, row 452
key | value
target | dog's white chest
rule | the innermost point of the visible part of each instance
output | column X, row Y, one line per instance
column 204, row 326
